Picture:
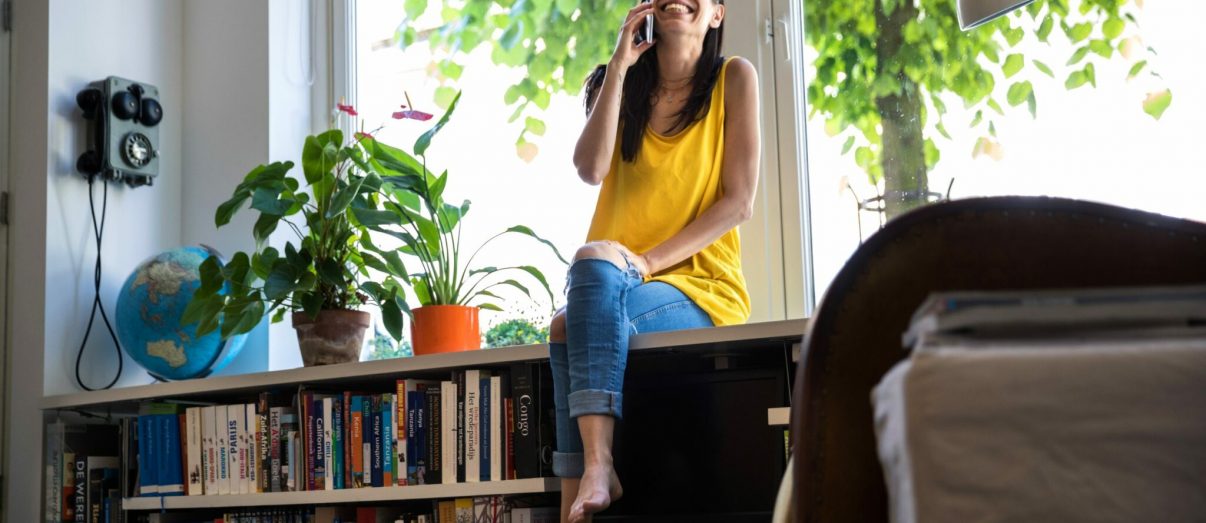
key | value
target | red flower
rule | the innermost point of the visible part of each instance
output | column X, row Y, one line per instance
column 347, row 109
column 409, row 114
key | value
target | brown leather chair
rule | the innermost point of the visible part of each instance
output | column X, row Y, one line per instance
column 976, row 244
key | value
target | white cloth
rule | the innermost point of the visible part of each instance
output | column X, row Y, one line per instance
column 1094, row 430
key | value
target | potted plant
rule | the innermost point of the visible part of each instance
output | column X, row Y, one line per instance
column 356, row 189
column 323, row 278
column 449, row 289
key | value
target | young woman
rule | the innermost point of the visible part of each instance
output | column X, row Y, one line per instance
column 673, row 135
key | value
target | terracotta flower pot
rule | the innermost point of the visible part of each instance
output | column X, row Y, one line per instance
column 445, row 328
column 333, row 337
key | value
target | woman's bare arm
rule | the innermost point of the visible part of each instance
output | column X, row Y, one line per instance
column 592, row 156
column 739, row 178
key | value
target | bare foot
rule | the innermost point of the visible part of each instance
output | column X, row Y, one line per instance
column 599, row 488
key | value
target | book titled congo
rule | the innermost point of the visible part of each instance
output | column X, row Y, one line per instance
column 479, row 425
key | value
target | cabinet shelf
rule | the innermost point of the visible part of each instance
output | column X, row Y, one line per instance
column 359, row 495
column 717, row 340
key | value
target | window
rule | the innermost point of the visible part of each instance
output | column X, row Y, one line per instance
column 530, row 180
column 1063, row 98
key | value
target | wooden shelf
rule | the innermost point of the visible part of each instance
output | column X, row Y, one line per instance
column 359, row 495
column 720, row 339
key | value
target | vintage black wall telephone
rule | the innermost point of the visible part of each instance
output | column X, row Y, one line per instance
column 123, row 131
column 122, row 121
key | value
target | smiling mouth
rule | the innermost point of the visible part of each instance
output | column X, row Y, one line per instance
column 677, row 8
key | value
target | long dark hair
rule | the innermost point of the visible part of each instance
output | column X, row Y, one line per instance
column 642, row 80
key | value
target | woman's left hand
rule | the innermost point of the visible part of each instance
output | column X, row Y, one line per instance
column 637, row 260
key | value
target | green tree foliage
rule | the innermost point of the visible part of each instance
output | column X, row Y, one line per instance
column 516, row 332
column 382, row 347
column 883, row 67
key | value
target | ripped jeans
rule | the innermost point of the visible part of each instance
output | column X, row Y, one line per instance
column 605, row 305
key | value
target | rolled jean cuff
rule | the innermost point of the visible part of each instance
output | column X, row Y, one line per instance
column 568, row 464
column 595, row 401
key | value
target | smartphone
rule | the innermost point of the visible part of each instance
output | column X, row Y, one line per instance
column 645, row 33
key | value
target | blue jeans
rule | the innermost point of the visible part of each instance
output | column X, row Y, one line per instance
column 605, row 305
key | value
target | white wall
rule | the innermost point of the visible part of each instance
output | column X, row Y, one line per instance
column 210, row 61
column 86, row 45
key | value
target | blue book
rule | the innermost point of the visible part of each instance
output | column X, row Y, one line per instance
column 375, row 443
column 387, row 444
column 171, row 472
column 148, row 479
column 416, row 437
column 337, row 438
column 483, row 430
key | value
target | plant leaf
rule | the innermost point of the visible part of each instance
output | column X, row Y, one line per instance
column 391, row 316
column 424, row 141
column 1042, row 67
column 1013, row 64
column 1156, row 103
column 489, row 307
column 527, row 231
column 343, row 198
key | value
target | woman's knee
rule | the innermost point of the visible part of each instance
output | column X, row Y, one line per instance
column 601, row 251
column 557, row 328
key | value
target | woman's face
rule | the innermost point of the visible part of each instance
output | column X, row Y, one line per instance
column 687, row 17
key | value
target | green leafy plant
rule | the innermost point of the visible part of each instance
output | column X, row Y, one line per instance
column 519, row 331
column 326, row 269
column 882, row 70
column 357, row 189
column 382, row 347
column 429, row 230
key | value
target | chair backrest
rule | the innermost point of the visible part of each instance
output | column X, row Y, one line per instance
column 976, row 244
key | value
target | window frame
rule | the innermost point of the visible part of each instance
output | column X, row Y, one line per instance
column 782, row 231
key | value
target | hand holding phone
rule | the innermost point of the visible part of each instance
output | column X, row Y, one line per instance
column 645, row 33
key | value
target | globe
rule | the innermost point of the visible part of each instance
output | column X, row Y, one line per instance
column 149, row 307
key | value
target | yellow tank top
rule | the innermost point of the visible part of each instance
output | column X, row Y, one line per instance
column 673, row 180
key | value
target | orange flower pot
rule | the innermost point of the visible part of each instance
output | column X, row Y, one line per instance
column 438, row 329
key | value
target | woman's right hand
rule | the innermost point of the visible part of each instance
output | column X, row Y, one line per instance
column 627, row 50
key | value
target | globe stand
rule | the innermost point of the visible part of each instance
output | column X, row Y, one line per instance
column 161, row 379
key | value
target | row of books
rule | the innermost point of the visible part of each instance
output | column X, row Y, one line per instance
column 83, row 473
column 493, row 509
column 479, row 425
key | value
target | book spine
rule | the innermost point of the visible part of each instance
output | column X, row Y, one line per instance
column 496, row 429
column 305, row 432
column 289, row 465
column 387, row 448
column 366, row 440
column 250, row 430
column 193, row 437
column 80, row 500
column 507, row 426
column 346, row 423
column 509, row 430
column 459, row 378
column 483, row 448
column 209, row 449
column 317, row 460
column 274, row 449
column 239, row 413
column 171, row 477
column 400, row 415
column 375, row 442
column 415, row 464
column 230, row 437
column 148, row 479
column 264, row 442
column 67, row 497
column 527, row 446
column 328, row 445
column 356, row 436
column 434, row 434
column 473, row 438
column 337, row 442
column 393, row 434
column 448, row 401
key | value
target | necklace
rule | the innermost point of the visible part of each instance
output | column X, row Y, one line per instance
column 670, row 92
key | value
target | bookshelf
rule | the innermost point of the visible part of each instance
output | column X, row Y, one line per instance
column 357, row 495
column 719, row 345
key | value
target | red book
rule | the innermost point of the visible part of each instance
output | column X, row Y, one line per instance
column 509, row 434
column 184, row 450
column 355, row 439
